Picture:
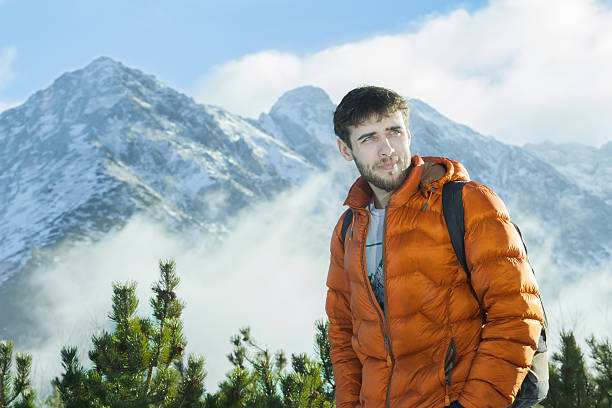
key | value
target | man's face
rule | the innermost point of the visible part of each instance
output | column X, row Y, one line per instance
column 381, row 150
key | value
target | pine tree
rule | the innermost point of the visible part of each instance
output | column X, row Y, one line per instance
column 304, row 387
column 260, row 378
column 54, row 400
column 601, row 352
column 191, row 386
column 139, row 363
column 554, row 398
column 73, row 389
column 253, row 382
column 570, row 382
column 322, row 348
column 15, row 392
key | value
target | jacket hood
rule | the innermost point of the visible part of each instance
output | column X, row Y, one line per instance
column 360, row 193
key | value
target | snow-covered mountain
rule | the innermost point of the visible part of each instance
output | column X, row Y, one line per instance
column 107, row 142
column 587, row 166
column 556, row 211
column 303, row 120
column 104, row 142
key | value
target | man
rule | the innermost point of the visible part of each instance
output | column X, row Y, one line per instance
column 407, row 328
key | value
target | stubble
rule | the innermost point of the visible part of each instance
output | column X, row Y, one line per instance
column 388, row 184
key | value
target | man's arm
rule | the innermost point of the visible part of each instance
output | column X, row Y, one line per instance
column 507, row 291
column 346, row 365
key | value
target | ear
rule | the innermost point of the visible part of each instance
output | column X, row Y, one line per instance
column 345, row 151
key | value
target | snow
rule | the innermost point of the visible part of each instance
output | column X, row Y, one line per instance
column 46, row 124
column 77, row 129
column 309, row 107
column 173, row 151
column 101, row 102
column 16, row 130
column 142, row 103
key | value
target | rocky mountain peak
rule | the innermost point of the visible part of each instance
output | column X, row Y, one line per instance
column 302, row 119
column 302, row 99
column 102, row 65
column 101, row 84
column 105, row 72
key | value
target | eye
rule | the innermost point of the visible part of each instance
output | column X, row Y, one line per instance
column 367, row 139
column 396, row 132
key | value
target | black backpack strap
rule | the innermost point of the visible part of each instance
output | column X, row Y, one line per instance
column 452, row 209
column 346, row 222
column 523, row 241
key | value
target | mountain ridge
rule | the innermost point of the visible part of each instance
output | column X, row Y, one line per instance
column 115, row 145
column 105, row 142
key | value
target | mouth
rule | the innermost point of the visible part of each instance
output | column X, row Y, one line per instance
column 388, row 165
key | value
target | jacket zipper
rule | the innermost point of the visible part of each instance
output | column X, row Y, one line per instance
column 450, row 361
column 386, row 311
column 365, row 277
column 382, row 319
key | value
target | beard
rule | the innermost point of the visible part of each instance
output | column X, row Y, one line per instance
column 390, row 183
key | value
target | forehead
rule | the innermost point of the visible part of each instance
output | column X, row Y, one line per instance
column 378, row 123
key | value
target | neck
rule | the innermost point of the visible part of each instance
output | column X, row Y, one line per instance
column 381, row 197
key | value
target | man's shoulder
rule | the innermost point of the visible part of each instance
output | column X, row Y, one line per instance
column 481, row 201
column 473, row 190
column 345, row 217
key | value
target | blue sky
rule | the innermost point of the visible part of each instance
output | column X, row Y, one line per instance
column 178, row 41
column 518, row 70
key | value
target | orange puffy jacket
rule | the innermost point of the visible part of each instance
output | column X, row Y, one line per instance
column 441, row 338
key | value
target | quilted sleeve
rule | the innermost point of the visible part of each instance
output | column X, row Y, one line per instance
column 346, row 365
column 507, row 292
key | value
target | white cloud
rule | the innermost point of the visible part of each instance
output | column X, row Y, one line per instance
column 521, row 71
column 7, row 57
column 577, row 298
column 269, row 274
column 264, row 76
column 585, row 307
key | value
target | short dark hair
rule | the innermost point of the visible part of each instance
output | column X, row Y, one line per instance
column 361, row 103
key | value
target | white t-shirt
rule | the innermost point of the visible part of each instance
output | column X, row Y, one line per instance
column 374, row 249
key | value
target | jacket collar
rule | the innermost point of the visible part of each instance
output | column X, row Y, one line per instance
column 455, row 171
column 360, row 193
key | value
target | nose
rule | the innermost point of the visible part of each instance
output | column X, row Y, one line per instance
column 385, row 149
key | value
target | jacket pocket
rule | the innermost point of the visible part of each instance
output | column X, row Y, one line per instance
column 450, row 360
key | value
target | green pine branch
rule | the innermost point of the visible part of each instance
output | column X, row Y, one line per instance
column 15, row 390
column 137, row 363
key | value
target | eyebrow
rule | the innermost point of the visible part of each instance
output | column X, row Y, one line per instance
column 373, row 133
